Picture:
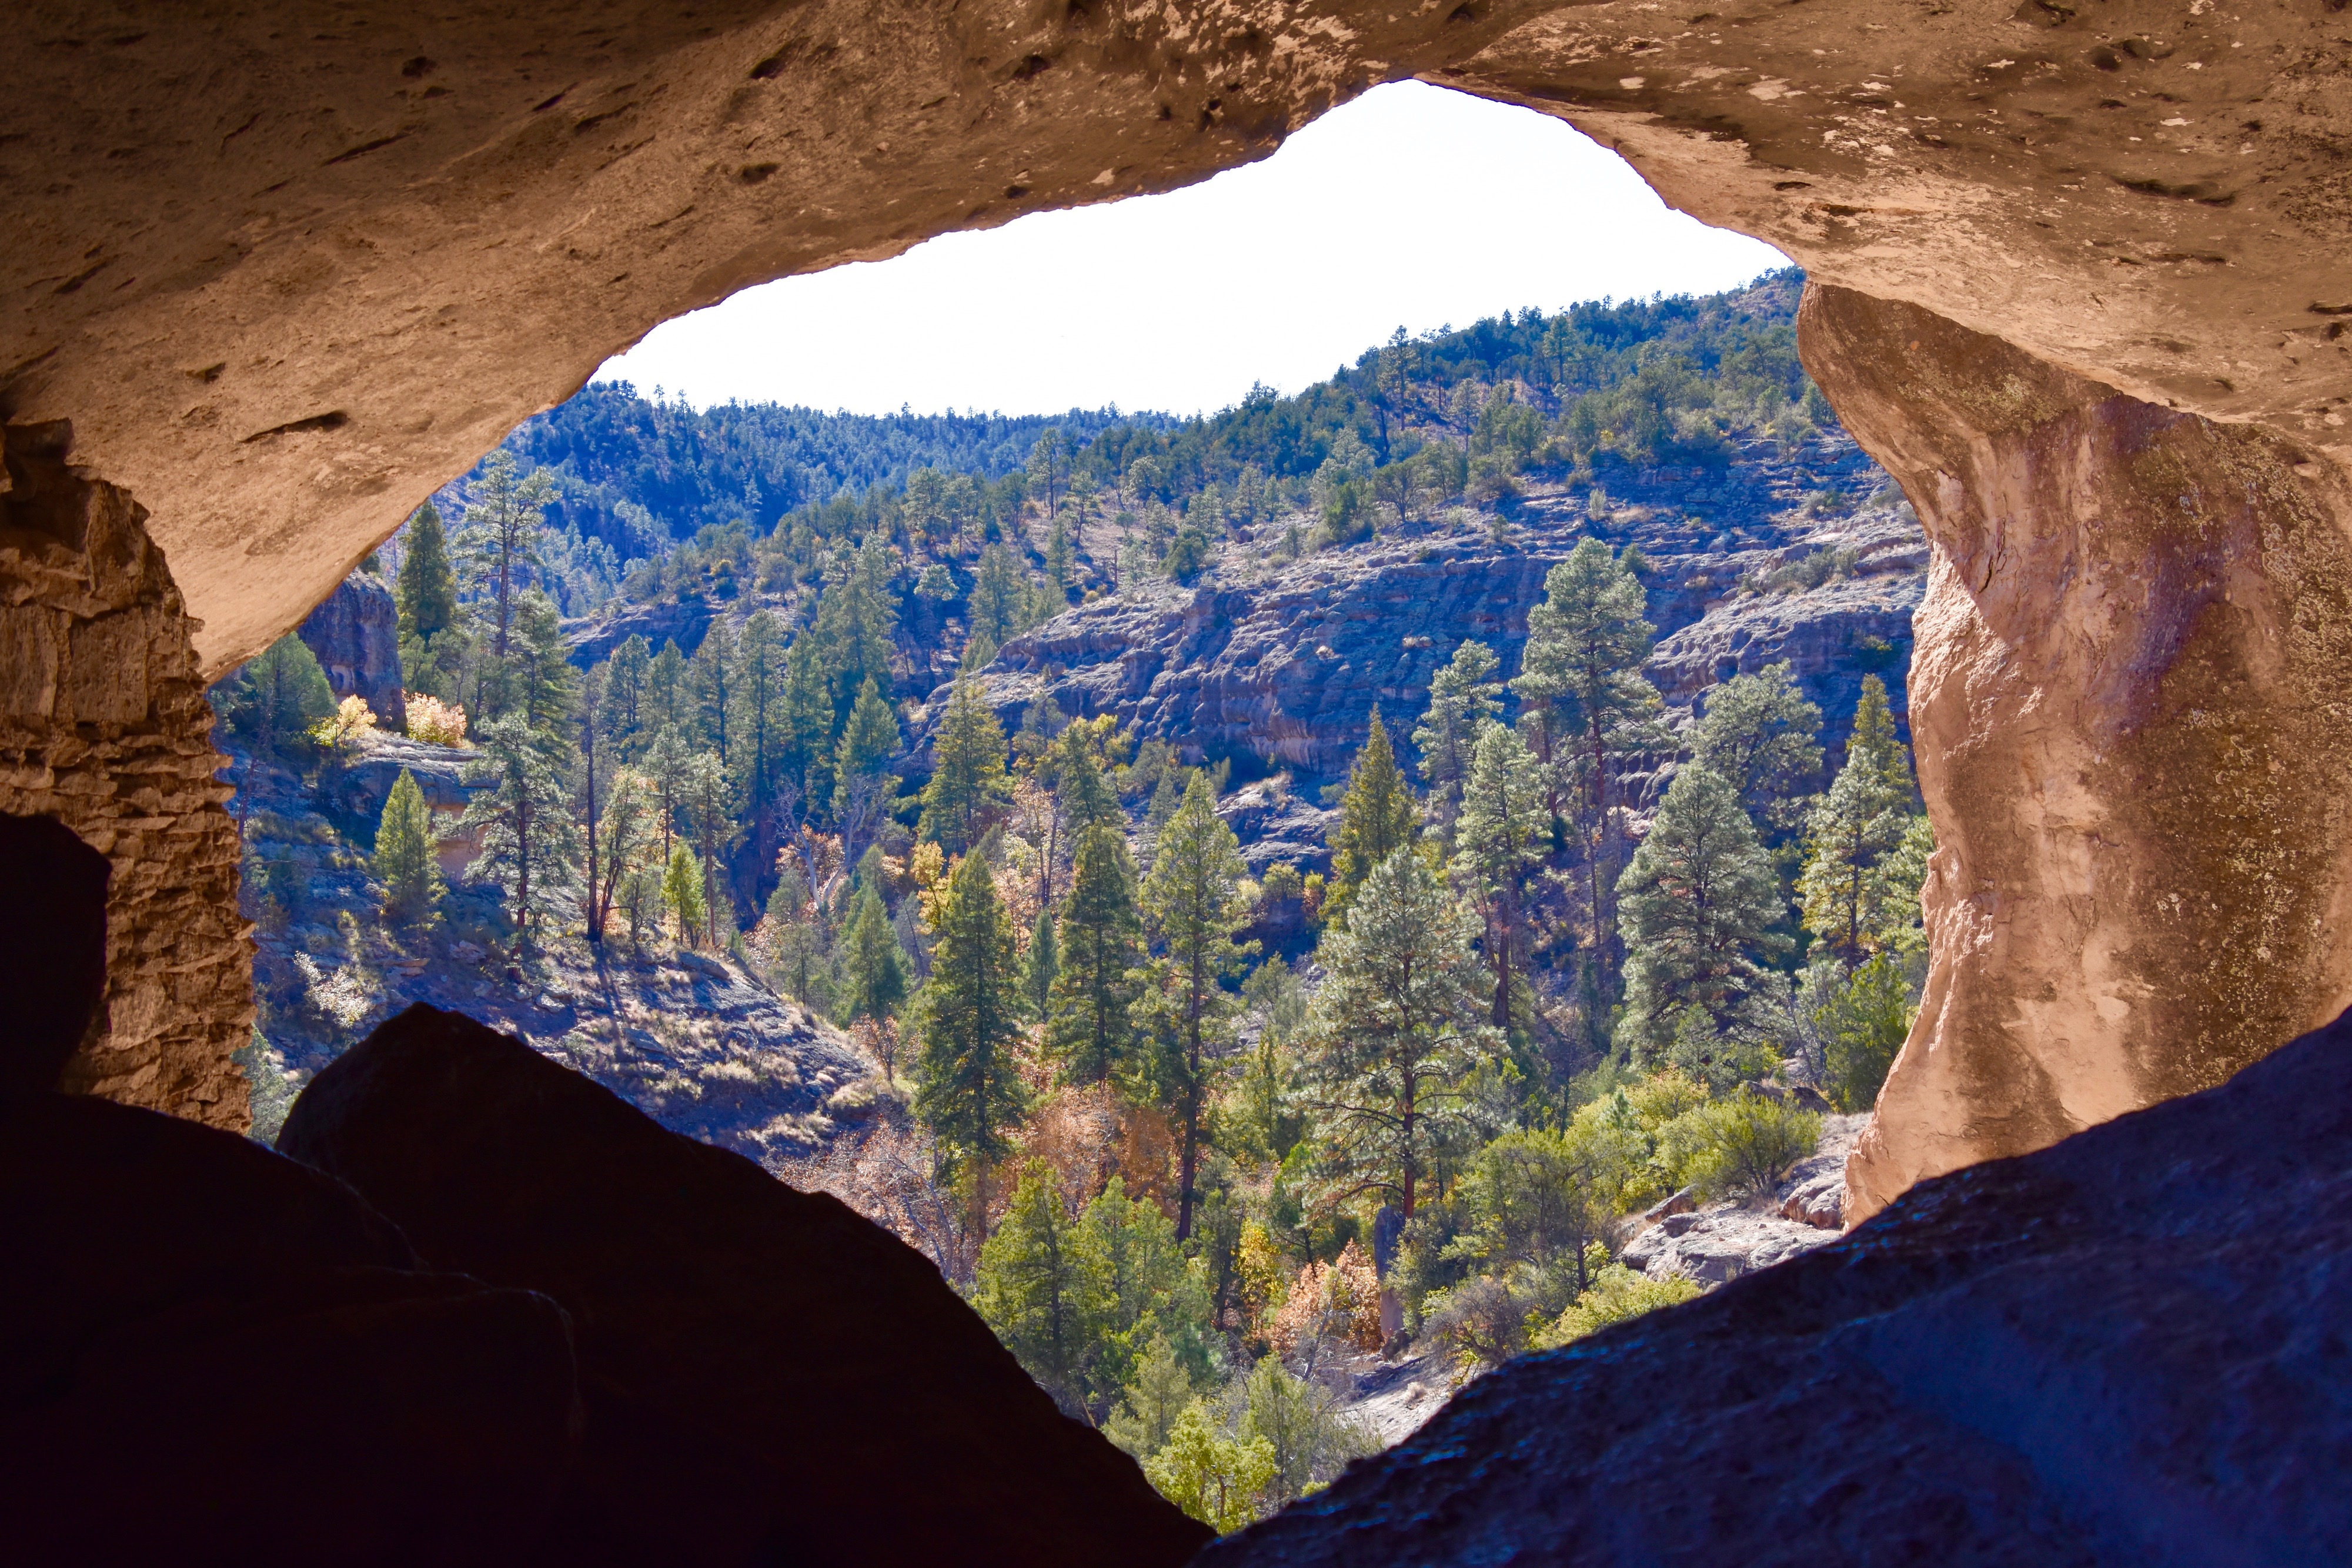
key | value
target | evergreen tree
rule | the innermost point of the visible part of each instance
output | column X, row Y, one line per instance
column 972, row 1094
column 1061, row 567
column 1214, row 1478
column 857, row 626
column 279, row 694
column 625, row 677
column 710, row 688
column 500, row 543
column 667, row 761
column 543, row 683
column 767, row 783
column 531, row 845
column 624, row 841
column 705, row 801
column 1589, row 708
column 1461, row 697
column 405, row 862
column 967, row 783
column 1194, row 899
column 1762, row 735
column 1040, row 964
column 862, row 793
column 665, row 704
column 1040, row 1293
column 427, row 594
column 1395, row 1036
column 1152, row 1402
column 682, row 885
column 1089, row 1027
column 1856, row 890
column 1085, row 796
column 1700, row 901
column 1377, row 817
column 998, row 591
column 1499, row 842
column 874, row 970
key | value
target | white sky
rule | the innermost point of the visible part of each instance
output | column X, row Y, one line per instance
column 1412, row 206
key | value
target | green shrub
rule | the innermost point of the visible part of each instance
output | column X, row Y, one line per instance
column 1618, row 1295
column 1742, row 1145
column 1862, row 1026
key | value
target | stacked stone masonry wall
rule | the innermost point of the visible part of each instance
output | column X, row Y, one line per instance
column 103, row 725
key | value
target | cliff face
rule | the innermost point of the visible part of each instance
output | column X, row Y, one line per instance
column 1281, row 671
column 355, row 632
column 2132, row 738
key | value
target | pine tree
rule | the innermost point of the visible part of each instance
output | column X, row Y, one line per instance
column 499, row 542
column 874, row 970
column 624, row 694
column 1499, row 842
column 710, row 686
column 1152, row 1402
column 967, row 783
column 1395, row 1035
column 1588, row 707
column 666, row 765
column 1378, row 816
column 766, row 780
column 1461, row 697
column 665, row 706
column 862, row 793
column 1700, row 901
column 428, row 595
column 531, row 845
column 972, row 1094
column 1194, row 899
column 1085, row 796
column 1762, row 735
column 405, row 862
column 711, row 821
column 1039, row 1293
column 1089, row 1026
column 1853, row 893
column 1061, row 566
column 1040, row 964
column 279, row 693
column 998, row 591
column 682, row 892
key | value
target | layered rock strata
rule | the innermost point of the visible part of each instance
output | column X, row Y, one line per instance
column 355, row 634
column 2128, row 700
column 2097, row 1355
column 103, row 725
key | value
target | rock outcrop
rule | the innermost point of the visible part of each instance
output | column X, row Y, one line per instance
column 769, row 1377
column 2128, row 701
column 1281, row 671
column 355, row 632
column 2100, row 1353
column 210, row 1354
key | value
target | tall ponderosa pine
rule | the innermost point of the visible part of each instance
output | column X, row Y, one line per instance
column 710, row 688
column 1500, row 841
column 530, row 842
column 972, row 1094
column 625, row 695
column 1086, row 797
column 499, row 542
column 405, row 862
column 1461, row 697
column 428, row 591
column 862, row 793
column 1762, row 736
column 1040, row 964
column 1378, row 817
column 1194, row 899
column 1700, row 901
column 281, row 692
column 1395, row 1035
column 710, row 819
column 1038, row 1289
column 967, row 783
column 874, row 972
column 1854, row 889
column 1089, row 1021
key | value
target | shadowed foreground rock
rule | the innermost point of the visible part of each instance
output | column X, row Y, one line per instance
column 2125, row 1349
column 209, row 1354
column 768, row 1375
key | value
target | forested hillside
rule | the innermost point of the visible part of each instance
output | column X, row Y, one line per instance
column 1302, row 878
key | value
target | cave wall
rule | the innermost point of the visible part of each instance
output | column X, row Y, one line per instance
column 286, row 267
column 2134, row 735
column 103, row 725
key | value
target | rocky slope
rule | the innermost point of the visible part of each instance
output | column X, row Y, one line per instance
column 2099, row 1353
column 689, row 1038
column 1277, row 666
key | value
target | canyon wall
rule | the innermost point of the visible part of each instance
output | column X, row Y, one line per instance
column 103, row 725
column 2128, row 703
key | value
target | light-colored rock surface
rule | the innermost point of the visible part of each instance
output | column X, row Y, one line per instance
column 1717, row 1242
column 2128, row 703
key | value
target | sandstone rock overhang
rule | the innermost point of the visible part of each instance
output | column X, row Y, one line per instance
column 286, row 268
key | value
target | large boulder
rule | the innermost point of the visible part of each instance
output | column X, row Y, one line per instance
column 813, row 1390
column 2126, row 1349
column 355, row 632
column 211, row 1355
